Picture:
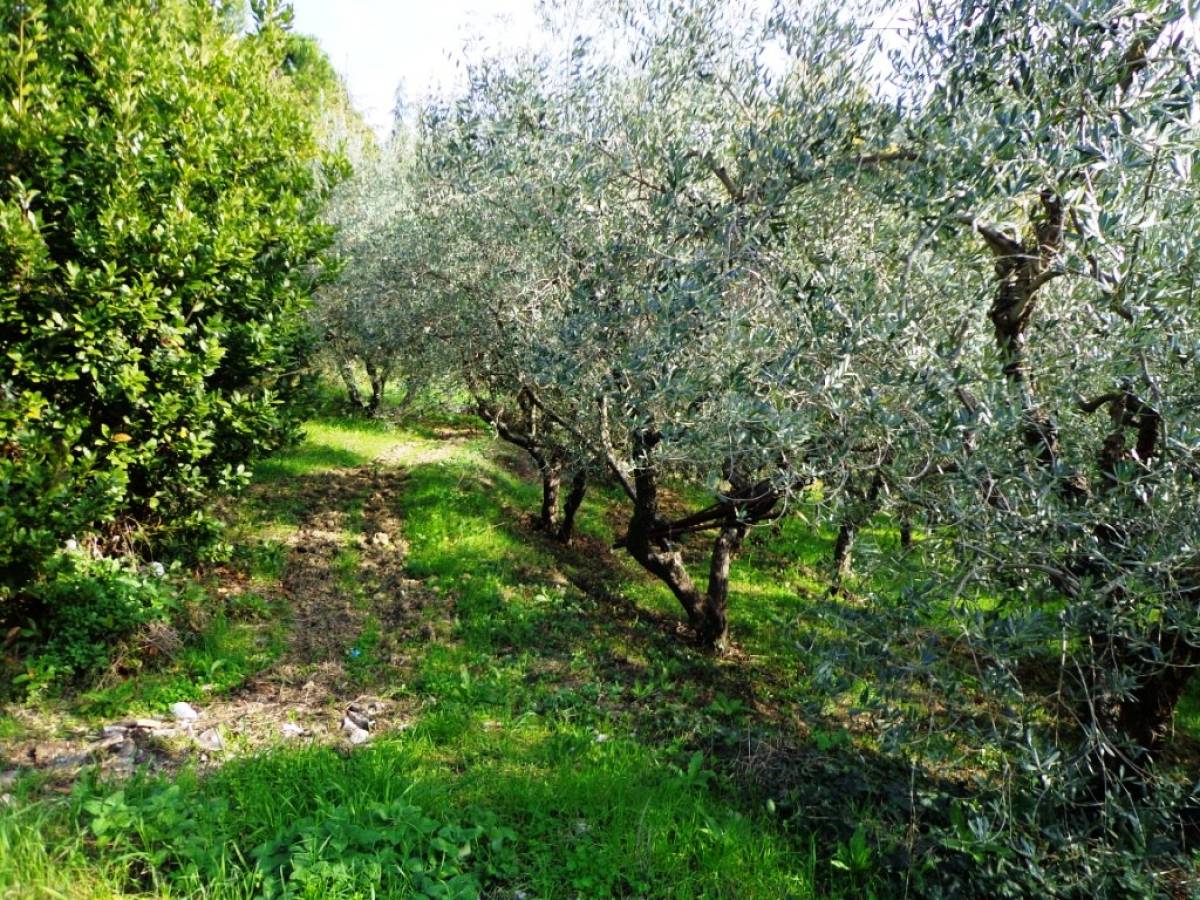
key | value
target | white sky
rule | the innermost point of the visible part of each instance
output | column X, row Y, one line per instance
column 380, row 44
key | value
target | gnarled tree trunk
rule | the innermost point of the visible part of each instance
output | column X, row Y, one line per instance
column 566, row 525
column 526, row 433
column 1145, row 716
column 649, row 540
column 346, row 372
column 1161, row 665
column 862, row 506
column 378, row 376
column 715, row 632
column 656, row 555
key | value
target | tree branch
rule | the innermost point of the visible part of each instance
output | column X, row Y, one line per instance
column 999, row 242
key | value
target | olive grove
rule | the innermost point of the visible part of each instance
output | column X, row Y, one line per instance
column 666, row 292
column 730, row 250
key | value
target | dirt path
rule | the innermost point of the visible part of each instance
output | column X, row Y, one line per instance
column 344, row 577
column 338, row 575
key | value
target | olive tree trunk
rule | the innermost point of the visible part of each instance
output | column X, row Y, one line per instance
column 378, row 375
column 566, row 525
column 862, row 506
column 1161, row 665
column 551, row 473
column 346, row 372
column 649, row 541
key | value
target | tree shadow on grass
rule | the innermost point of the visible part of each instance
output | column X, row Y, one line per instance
column 564, row 620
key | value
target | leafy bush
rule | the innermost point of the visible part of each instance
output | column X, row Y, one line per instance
column 396, row 848
column 87, row 605
column 160, row 181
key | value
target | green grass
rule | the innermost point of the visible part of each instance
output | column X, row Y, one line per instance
column 218, row 660
column 561, row 739
column 330, row 443
column 545, row 811
column 1187, row 714
column 565, row 742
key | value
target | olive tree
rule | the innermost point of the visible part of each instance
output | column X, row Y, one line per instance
column 492, row 191
column 377, row 312
column 1046, row 168
column 1067, row 149
column 681, row 267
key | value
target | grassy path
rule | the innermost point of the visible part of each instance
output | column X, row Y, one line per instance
column 539, row 729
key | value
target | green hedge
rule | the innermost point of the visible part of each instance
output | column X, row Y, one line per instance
column 159, row 190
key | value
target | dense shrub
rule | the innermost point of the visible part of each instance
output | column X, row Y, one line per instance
column 160, row 182
column 87, row 605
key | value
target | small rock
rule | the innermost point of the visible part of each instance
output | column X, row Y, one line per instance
column 109, row 742
column 359, row 719
column 148, row 724
column 6, row 799
column 211, row 740
column 291, row 730
column 184, row 712
column 113, row 730
column 380, row 539
column 354, row 733
column 127, row 751
column 70, row 760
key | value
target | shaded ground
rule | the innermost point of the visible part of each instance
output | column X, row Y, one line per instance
column 393, row 578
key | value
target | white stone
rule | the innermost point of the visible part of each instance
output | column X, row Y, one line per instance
column 354, row 733
column 359, row 719
column 184, row 712
column 211, row 740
